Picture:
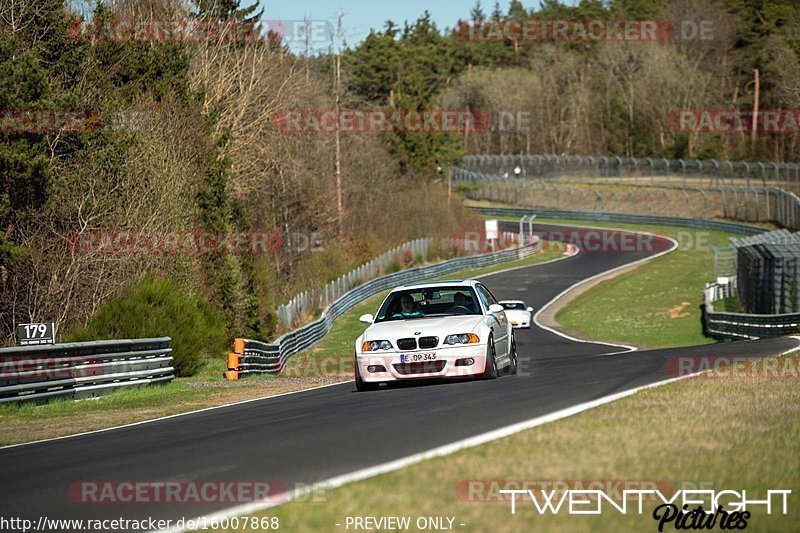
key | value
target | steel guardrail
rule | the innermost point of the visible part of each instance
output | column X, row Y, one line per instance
column 767, row 189
column 741, row 326
column 253, row 357
column 624, row 218
column 82, row 370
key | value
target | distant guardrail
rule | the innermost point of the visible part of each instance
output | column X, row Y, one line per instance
column 82, row 369
column 710, row 189
column 624, row 218
column 252, row 357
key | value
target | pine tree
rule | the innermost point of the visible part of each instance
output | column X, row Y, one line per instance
column 228, row 10
column 516, row 10
column 497, row 12
column 477, row 14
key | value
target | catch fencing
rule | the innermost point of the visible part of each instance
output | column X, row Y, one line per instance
column 768, row 276
column 82, row 369
column 638, row 171
column 690, row 188
column 251, row 357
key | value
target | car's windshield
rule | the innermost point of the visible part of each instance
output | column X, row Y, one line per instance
column 512, row 306
column 426, row 302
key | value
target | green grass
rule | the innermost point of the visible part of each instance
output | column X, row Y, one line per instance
column 729, row 305
column 656, row 305
column 720, row 433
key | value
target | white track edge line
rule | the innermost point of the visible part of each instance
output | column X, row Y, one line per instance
column 440, row 451
column 151, row 420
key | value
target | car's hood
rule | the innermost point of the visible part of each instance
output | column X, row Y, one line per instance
column 514, row 314
column 423, row 327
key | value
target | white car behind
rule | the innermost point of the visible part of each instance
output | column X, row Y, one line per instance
column 519, row 314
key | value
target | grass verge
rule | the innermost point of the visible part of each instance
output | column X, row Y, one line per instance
column 725, row 431
column 328, row 362
column 657, row 304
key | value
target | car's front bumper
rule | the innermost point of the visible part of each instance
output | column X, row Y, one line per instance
column 401, row 366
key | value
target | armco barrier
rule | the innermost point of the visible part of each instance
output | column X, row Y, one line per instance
column 739, row 326
column 82, row 369
column 624, row 218
column 251, row 356
column 751, row 191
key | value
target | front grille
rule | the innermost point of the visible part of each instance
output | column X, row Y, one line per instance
column 425, row 367
column 407, row 344
column 428, row 342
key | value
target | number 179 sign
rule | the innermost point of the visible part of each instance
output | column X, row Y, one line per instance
column 36, row 334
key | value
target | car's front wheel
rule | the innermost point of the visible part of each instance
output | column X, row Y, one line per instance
column 361, row 385
column 490, row 372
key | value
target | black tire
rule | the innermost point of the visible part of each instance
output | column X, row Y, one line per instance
column 511, row 369
column 490, row 372
column 361, row 385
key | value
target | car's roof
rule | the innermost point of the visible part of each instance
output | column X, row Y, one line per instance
column 433, row 284
column 511, row 302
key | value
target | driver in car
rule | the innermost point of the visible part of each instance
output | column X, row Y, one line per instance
column 407, row 309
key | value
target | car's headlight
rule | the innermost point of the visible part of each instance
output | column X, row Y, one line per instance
column 375, row 346
column 462, row 338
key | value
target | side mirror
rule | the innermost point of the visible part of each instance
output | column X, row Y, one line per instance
column 367, row 319
column 496, row 308
column 530, row 309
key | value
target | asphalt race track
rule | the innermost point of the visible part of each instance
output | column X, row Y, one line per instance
column 319, row 434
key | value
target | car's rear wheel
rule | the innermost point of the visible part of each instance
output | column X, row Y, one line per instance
column 490, row 372
column 511, row 369
column 361, row 385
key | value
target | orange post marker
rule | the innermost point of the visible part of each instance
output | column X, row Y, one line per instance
column 233, row 367
column 238, row 346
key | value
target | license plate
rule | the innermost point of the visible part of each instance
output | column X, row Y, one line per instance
column 417, row 357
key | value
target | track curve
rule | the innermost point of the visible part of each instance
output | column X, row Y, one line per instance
column 319, row 434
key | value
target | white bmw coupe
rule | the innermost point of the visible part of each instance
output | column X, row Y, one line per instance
column 445, row 329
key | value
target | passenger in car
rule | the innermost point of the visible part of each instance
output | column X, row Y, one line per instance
column 462, row 300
